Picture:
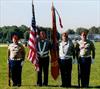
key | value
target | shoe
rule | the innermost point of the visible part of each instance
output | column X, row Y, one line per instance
column 14, row 84
column 85, row 86
column 45, row 84
column 18, row 85
column 62, row 86
column 39, row 84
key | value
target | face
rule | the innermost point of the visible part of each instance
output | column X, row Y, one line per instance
column 42, row 35
column 64, row 36
column 83, row 36
column 15, row 39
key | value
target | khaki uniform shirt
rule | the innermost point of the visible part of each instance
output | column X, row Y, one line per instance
column 85, row 48
column 17, row 51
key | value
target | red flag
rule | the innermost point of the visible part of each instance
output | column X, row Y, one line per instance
column 54, row 53
column 32, row 56
column 59, row 18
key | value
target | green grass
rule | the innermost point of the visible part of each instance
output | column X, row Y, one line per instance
column 29, row 74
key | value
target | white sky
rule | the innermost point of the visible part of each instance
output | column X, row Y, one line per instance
column 74, row 13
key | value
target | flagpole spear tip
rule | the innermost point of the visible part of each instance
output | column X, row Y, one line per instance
column 52, row 3
column 32, row 1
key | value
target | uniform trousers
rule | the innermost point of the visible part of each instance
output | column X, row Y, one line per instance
column 43, row 66
column 65, row 69
column 85, row 66
column 16, row 70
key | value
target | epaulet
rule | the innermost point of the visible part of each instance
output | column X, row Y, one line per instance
column 11, row 44
column 69, row 39
column 90, row 41
column 59, row 41
column 19, row 44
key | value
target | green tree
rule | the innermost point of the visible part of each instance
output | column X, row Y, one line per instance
column 93, row 30
column 23, row 29
column 71, row 31
column 26, row 35
column 99, row 29
column 80, row 30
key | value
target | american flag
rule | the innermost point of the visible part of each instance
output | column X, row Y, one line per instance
column 32, row 56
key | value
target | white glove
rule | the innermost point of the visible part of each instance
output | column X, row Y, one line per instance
column 92, row 61
column 22, row 63
column 7, row 61
column 75, row 61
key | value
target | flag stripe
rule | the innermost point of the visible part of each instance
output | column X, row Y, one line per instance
column 32, row 56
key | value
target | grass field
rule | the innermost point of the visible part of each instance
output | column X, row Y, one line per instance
column 29, row 74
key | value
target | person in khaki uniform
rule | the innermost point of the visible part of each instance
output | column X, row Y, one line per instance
column 85, row 54
column 16, row 56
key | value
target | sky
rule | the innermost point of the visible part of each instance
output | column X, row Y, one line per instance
column 74, row 13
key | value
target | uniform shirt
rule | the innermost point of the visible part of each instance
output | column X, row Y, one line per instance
column 43, row 48
column 66, row 49
column 17, row 51
column 85, row 48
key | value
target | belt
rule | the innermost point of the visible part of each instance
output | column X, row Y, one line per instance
column 44, row 56
column 66, row 57
column 44, row 53
column 15, row 59
column 86, row 56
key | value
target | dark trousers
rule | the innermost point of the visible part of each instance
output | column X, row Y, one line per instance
column 44, row 66
column 16, row 70
column 66, row 69
column 85, row 66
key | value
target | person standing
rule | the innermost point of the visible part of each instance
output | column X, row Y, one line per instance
column 16, row 56
column 66, row 56
column 43, row 48
column 86, row 55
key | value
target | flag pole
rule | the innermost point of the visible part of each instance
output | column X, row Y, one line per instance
column 9, row 82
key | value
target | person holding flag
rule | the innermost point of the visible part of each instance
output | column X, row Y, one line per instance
column 43, row 48
column 66, row 57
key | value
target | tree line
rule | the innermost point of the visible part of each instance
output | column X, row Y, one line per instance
column 6, row 32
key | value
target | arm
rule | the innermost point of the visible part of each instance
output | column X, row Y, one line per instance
column 8, row 51
column 93, row 50
column 73, row 50
column 8, row 55
column 23, row 53
column 77, row 51
column 78, row 66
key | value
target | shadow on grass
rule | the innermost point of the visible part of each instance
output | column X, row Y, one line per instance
column 73, row 86
column 43, row 86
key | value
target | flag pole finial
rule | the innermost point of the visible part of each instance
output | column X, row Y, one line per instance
column 32, row 1
column 52, row 6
